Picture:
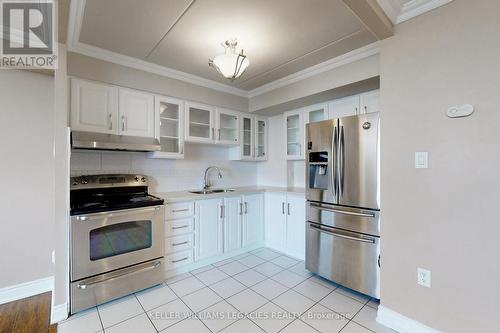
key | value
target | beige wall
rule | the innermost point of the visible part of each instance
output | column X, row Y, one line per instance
column 444, row 218
column 99, row 70
column 27, row 169
column 354, row 72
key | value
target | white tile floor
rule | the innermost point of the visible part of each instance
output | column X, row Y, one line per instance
column 260, row 291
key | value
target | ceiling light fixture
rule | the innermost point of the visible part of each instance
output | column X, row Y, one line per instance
column 230, row 64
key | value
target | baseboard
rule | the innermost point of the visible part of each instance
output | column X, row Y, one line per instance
column 59, row 313
column 27, row 289
column 400, row 323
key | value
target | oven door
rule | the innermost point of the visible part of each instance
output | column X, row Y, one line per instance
column 102, row 242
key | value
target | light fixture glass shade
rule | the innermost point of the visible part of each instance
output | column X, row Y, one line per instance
column 230, row 64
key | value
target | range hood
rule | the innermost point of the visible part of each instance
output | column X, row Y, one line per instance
column 100, row 141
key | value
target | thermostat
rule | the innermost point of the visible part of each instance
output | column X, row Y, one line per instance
column 457, row 111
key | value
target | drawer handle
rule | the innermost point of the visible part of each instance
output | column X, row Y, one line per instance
column 357, row 239
column 180, row 210
column 120, row 275
column 179, row 260
column 182, row 243
column 180, row 227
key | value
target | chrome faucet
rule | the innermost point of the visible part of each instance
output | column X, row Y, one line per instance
column 206, row 183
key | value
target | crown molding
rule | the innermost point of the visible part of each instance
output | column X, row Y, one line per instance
column 398, row 12
column 355, row 55
column 415, row 8
column 77, row 9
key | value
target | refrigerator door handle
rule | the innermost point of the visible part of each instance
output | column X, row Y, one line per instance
column 339, row 211
column 332, row 233
column 341, row 161
column 334, row 162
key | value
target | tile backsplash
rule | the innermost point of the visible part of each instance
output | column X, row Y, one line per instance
column 169, row 175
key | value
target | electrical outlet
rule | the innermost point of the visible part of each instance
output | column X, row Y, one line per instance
column 424, row 277
column 53, row 256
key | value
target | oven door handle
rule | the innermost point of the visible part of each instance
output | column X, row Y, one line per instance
column 345, row 212
column 118, row 213
column 357, row 239
column 112, row 278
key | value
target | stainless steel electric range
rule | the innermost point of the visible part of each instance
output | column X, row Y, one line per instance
column 116, row 234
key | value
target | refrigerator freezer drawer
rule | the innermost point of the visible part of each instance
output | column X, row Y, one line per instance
column 347, row 258
column 364, row 221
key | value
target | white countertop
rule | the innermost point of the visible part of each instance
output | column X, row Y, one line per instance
column 178, row 196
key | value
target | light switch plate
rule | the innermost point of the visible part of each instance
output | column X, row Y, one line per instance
column 421, row 160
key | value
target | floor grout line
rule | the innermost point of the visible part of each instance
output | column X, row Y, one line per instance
column 154, row 326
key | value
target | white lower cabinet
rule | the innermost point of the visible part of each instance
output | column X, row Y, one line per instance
column 232, row 212
column 285, row 223
column 253, row 219
column 227, row 225
column 208, row 228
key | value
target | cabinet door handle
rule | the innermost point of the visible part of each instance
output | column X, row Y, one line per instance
column 123, row 123
column 110, row 117
column 246, row 207
column 288, row 209
column 241, row 208
column 366, row 109
column 283, row 208
column 219, row 133
column 222, row 211
column 213, row 133
column 356, row 110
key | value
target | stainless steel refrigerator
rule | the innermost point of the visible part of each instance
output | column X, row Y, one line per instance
column 343, row 201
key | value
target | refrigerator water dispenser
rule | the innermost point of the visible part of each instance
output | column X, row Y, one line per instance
column 318, row 170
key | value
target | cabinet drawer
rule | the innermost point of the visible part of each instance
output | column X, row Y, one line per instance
column 179, row 227
column 179, row 210
column 178, row 243
column 178, row 259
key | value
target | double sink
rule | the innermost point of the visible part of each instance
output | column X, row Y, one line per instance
column 223, row 190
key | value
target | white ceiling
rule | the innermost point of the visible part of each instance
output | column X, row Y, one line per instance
column 280, row 37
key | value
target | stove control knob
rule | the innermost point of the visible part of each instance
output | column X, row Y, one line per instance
column 75, row 181
column 143, row 179
column 136, row 178
column 85, row 180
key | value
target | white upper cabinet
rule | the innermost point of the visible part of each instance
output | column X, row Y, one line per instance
column 294, row 134
column 247, row 138
column 169, row 120
column 369, row 102
column 101, row 108
column 253, row 139
column 315, row 113
column 348, row 106
column 200, row 123
column 227, row 127
column 137, row 113
column 94, row 107
column 260, row 138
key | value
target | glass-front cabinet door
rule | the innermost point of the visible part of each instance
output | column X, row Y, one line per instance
column 199, row 122
column 228, row 127
column 314, row 113
column 260, row 138
column 247, row 138
column 294, row 135
column 169, row 120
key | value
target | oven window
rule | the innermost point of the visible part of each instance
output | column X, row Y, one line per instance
column 120, row 238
